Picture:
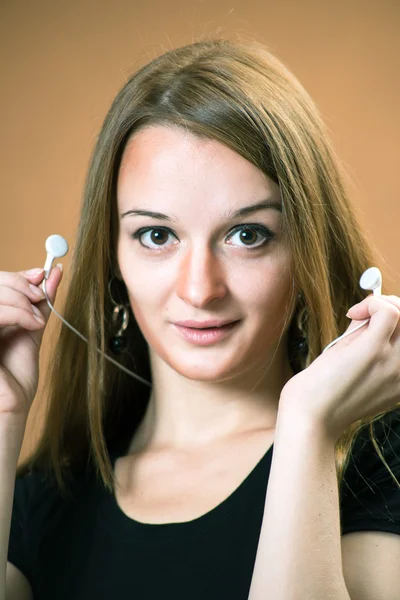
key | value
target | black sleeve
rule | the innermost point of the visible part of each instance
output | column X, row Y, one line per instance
column 19, row 543
column 370, row 498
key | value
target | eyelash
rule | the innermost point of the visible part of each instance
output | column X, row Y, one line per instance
column 261, row 229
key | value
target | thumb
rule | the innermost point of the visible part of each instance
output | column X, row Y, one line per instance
column 51, row 284
column 382, row 312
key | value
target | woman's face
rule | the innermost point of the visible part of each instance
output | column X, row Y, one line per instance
column 199, row 261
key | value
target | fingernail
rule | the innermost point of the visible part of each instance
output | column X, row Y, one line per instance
column 59, row 265
column 33, row 272
column 37, row 312
column 350, row 309
column 37, row 291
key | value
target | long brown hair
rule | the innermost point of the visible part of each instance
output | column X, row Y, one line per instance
column 242, row 96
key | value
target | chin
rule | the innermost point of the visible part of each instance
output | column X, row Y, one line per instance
column 208, row 371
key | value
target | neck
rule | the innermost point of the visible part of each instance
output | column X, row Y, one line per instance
column 184, row 414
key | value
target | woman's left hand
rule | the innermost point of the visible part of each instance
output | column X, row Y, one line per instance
column 358, row 377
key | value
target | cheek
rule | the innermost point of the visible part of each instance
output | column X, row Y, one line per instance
column 143, row 299
column 269, row 302
column 146, row 295
column 143, row 312
column 272, row 309
column 266, row 290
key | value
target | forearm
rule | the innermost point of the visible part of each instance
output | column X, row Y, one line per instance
column 299, row 551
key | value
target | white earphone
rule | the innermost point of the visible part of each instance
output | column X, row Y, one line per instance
column 57, row 246
column 371, row 280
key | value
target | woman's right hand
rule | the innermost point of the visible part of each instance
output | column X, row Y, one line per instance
column 21, row 332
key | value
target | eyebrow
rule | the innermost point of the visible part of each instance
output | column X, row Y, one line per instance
column 242, row 212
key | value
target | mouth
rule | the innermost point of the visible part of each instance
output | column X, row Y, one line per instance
column 209, row 324
column 212, row 327
column 205, row 336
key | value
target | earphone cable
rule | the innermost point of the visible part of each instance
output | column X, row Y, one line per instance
column 345, row 335
column 85, row 340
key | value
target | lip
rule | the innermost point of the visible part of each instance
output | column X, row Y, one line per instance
column 201, row 324
column 206, row 337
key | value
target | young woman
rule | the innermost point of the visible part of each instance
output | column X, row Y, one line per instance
column 252, row 464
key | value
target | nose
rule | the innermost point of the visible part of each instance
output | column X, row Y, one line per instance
column 201, row 277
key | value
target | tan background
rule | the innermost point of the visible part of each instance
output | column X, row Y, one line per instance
column 64, row 61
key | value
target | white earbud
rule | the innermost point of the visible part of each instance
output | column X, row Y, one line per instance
column 56, row 246
column 371, row 279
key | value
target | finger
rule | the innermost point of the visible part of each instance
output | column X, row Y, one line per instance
column 360, row 311
column 12, row 315
column 383, row 312
column 17, row 281
column 52, row 284
column 11, row 297
column 32, row 274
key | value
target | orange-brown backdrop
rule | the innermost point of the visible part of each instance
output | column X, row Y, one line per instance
column 64, row 61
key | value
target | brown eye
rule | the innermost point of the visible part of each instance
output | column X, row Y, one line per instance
column 158, row 236
column 252, row 236
column 248, row 236
column 152, row 237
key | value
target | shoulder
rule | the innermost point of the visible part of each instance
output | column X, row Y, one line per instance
column 370, row 497
column 370, row 513
column 37, row 494
column 365, row 459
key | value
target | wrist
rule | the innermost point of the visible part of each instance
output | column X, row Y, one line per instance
column 12, row 432
column 294, row 420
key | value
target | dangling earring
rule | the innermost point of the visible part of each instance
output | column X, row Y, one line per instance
column 119, row 342
column 301, row 342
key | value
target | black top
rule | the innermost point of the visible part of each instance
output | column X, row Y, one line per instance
column 90, row 549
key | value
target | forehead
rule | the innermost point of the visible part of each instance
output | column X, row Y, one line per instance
column 171, row 152
column 174, row 142
column 167, row 164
